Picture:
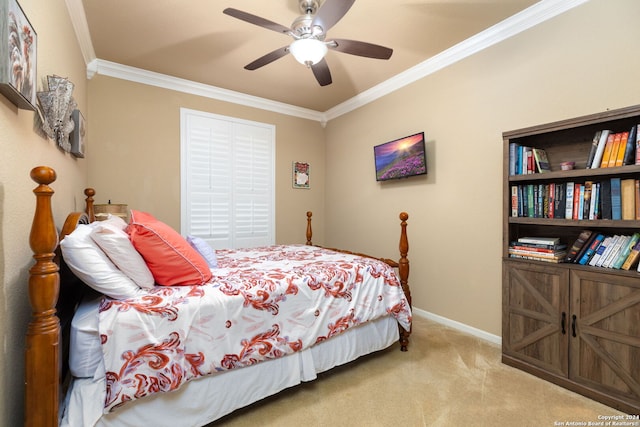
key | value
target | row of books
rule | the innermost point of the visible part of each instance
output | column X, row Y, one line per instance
column 621, row 252
column 539, row 249
column 525, row 160
column 593, row 248
column 608, row 149
column 611, row 198
column 611, row 149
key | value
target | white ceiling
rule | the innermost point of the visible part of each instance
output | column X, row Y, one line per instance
column 196, row 42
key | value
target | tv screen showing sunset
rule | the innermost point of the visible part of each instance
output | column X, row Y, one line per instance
column 401, row 158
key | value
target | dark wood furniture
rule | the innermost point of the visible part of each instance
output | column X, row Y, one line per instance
column 54, row 292
column 574, row 325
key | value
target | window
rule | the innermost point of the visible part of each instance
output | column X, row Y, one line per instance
column 227, row 180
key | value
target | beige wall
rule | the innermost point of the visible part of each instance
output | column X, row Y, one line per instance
column 23, row 149
column 134, row 153
column 578, row 63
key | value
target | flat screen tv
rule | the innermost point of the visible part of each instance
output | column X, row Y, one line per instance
column 401, row 158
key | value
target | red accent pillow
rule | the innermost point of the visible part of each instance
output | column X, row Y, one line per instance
column 170, row 258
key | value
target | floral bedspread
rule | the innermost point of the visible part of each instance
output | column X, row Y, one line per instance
column 262, row 303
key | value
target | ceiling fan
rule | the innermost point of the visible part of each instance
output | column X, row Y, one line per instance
column 309, row 32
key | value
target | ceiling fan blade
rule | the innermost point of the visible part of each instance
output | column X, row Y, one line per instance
column 331, row 12
column 322, row 73
column 354, row 47
column 256, row 20
column 268, row 58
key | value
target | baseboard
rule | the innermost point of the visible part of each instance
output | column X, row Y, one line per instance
column 479, row 333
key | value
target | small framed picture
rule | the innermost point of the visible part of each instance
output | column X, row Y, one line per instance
column 78, row 135
column 301, row 175
column 18, row 56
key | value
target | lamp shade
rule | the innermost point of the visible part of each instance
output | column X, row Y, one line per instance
column 308, row 51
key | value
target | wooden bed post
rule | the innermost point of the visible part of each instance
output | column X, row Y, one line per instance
column 403, row 272
column 43, row 333
column 309, row 232
column 90, row 192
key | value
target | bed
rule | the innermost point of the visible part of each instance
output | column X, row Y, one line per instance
column 262, row 320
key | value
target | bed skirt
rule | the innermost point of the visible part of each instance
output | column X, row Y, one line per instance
column 206, row 399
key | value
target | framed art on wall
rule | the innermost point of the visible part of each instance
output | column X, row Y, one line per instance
column 78, row 135
column 18, row 56
column 301, row 175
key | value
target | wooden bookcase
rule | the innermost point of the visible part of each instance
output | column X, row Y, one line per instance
column 574, row 325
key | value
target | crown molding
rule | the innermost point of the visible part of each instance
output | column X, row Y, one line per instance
column 151, row 78
column 81, row 27
column 530, row 17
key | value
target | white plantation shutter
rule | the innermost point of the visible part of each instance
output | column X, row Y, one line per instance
column 252, row 177
column 227, row 180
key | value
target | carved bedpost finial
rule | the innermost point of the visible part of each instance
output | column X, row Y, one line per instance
column 43, row 175
column 44, row 237
column 90, row 192
column 43, row 332
column 309, row 232
column 403, row 272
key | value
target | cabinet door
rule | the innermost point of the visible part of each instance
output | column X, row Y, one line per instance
column 605, row 354
column 534, row 318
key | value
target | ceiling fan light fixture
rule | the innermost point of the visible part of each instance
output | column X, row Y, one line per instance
column 308, row 51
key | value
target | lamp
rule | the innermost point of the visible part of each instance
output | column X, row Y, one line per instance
column 308, row 51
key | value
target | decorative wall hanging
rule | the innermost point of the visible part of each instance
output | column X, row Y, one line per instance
column 301, row 175
column 56, row 106
column 78, row 136
column 18, row 55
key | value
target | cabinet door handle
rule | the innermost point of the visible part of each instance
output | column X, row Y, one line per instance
column 564, row 322
column 573, row 326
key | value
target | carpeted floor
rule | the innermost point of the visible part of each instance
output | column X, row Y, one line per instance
column 447, row 378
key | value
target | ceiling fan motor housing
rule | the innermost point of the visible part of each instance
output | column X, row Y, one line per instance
column 301, row 27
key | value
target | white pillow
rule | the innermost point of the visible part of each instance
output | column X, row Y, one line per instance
column 114, row 241
column 91, row 265
column 114, row 221
column 203, row 248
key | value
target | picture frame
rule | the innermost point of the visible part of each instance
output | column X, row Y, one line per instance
column 18, row 56
column 301, row 175
column 78, row 136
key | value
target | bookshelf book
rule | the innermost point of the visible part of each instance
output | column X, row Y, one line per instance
column 572, row 323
